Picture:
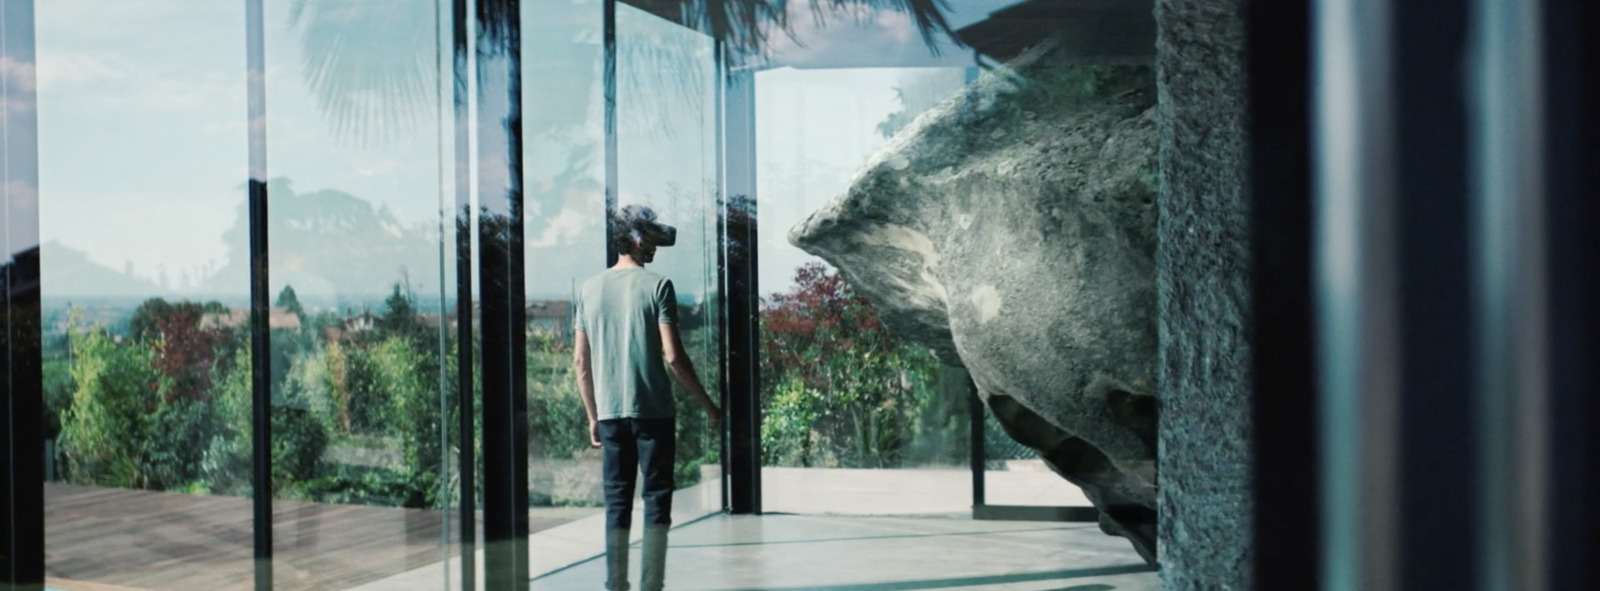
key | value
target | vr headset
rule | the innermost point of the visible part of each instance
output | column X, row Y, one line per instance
column 658, row 234
column 641, row 222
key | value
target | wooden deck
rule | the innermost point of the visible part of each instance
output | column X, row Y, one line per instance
column 113, row 538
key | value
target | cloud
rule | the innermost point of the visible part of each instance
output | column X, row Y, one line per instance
column 63, row 70
column 579, row 217
column 19, row 79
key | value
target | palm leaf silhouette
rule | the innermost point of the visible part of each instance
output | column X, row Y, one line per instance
column 371, row 63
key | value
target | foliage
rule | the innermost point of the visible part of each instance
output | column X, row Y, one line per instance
column 410, row 380
column 840, row 391
column 186, row 353
column 558, row 425
column 289, row 301
column 145, row 324
column 115, row 387
column 174, row 440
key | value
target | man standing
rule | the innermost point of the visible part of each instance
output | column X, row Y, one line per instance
column 625, row 345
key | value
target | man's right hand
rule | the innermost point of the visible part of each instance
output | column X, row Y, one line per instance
column 715, row 415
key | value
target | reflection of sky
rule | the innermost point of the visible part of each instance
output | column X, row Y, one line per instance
column 141, row 129
column 143, row 139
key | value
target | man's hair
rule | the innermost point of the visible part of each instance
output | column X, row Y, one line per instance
column 632, row 225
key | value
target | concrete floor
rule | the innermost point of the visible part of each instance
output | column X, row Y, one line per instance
column 846, row 530
column 806, row 553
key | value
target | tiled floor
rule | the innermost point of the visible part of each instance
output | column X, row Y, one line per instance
column 811, row 553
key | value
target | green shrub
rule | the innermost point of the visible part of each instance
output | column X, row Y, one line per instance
column 115, row 386
column 174, row 440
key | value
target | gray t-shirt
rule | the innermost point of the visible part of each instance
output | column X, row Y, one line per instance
column 621, row 311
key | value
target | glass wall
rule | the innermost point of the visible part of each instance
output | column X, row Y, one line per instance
column 855, row 419
column 142, row 155
column 363, row 346
column 143, row 149
column 667, row 161
column 564, row 172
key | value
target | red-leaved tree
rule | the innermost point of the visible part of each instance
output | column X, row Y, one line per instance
column 186, row 353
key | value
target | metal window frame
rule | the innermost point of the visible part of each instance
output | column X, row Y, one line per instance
column 1285, row 440
column 22, row 557
column 501, row 289
column 741, row 369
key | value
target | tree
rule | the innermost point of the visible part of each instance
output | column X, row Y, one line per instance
column 851, row 386
column 399, row 315
column 289, row 301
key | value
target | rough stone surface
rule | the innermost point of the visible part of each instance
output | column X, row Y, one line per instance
column 1202, row 270
column 1012, row 229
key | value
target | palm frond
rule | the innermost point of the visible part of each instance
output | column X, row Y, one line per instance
column 371, row 63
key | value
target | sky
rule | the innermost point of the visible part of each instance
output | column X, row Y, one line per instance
column 143, row 140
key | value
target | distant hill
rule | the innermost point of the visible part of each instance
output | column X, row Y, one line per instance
column 329, row 242
column 67, row 272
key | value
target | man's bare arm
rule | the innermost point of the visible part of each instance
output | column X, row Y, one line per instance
column 580, row 360
column 682, row 369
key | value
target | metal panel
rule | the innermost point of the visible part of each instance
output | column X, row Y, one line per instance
column 1286, row 535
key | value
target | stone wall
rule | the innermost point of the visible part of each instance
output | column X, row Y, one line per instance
column 1202, row 276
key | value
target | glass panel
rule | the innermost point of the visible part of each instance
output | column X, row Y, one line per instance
column 666, row 160
column 142, row 160
column 363, row 352
column 666, row 109
column 1014, row 475
column 855, row 420
column 564, row 168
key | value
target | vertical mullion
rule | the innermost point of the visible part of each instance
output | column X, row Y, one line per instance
column 1356, row 294
column 1286, row 537
column 1512, row 290
column 719, row 117
column 501, row 281
column 978, row 448
column 744, row 303
column 22, row 557
column 465, row 414
column 260, row 337
column 608, row 82
column 1573, row 183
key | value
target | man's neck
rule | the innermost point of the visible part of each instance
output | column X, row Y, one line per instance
column 627, row 262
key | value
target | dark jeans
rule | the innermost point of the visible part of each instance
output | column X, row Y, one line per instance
column 626, row 446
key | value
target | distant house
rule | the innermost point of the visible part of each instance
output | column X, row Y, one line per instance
column 550, row 317
column 277, row 318
column 365, row 321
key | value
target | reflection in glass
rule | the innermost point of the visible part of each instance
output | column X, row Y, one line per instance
column 142, row 155
column 362, row 342
column 565, row 244
column 666, row 160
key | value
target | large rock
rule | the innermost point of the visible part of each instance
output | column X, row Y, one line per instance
column 1012, row 230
